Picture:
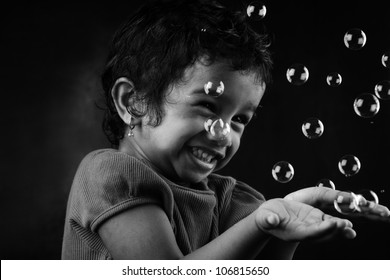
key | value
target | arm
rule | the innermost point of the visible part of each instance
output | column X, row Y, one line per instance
column 150, row 236
column 144, row 232
column 277, row 249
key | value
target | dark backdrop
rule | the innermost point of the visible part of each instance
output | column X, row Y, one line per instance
column 51, row 59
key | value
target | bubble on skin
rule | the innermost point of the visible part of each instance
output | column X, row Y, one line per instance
column 297, row 74
column 355, row 39
column 347, row 206
column 362, row 202
column 386, row 59
column 382, row 90
column 368, row 198
column 213, row 89
column 327, row 183
column 349, row 165
column 256, row 11
column 217, row 128
column 334, row 79
column 312, row 128
column 283, row 171
column 366, row 105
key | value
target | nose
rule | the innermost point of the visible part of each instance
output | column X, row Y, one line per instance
column 218, row 131
column 224, row 141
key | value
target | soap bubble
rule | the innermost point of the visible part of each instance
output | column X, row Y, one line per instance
column 382, row 90
column 334, row 79
column 256, row 10
column 217, row 128
column 362, row 202
column 214, row 89
column 283, row 172
column 366, row 105
column 297, row 74
column 312, row 128
column 355, row 39
column 346, row 205
column 326, row 183
column 386, row 59
column 349, row 165
column 367, row 198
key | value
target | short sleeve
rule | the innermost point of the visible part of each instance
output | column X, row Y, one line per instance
column 109, row 182
column 238, row 203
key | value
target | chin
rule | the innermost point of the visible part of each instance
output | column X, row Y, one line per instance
column 193, row 178
column 220, row 166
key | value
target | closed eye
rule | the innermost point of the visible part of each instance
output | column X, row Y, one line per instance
column 208, row 105
column 241, row 119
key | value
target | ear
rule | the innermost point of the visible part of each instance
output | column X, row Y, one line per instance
column 122, row 92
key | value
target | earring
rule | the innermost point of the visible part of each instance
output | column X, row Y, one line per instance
column 128, row 118
column 130, row 133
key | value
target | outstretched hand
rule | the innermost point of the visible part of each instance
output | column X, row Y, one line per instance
column 295, row 221
column 324, row 198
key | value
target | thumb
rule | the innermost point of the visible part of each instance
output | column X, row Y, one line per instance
column 267, row 220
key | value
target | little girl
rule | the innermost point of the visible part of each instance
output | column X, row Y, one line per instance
column 182, row 81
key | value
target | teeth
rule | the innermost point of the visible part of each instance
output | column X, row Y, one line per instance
column 202, row 155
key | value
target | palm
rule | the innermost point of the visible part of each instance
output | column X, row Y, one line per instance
column 298, row 221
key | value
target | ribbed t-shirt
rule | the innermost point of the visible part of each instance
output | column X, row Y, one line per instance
column 108, row 182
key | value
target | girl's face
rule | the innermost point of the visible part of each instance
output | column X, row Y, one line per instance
column 180, row 148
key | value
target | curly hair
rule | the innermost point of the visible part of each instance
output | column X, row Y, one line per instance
column 155, row 45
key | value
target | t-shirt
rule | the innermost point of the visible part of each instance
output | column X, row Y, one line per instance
column 108, row 182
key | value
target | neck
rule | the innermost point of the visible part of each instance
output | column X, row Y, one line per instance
column 129, row 146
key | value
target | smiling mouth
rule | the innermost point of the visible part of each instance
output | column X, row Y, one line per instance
column 205, row 156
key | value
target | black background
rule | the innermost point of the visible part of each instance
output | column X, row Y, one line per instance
column 51, row 59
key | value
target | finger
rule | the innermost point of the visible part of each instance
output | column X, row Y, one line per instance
column 365, row 209
column 319, row 196
column 349, row 233
column 326, row 196
column 319, row 231
column 357, row 205
column 332, row 228
column 341, row 223
column 370, row 216
column 375, row 209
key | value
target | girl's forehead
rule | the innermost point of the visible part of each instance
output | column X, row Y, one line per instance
column 200, row 72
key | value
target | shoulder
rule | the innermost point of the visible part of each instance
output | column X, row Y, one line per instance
column 115, row 176
column 109, row 181
column 106, row 157
column 109, row 167
column 106, row 164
